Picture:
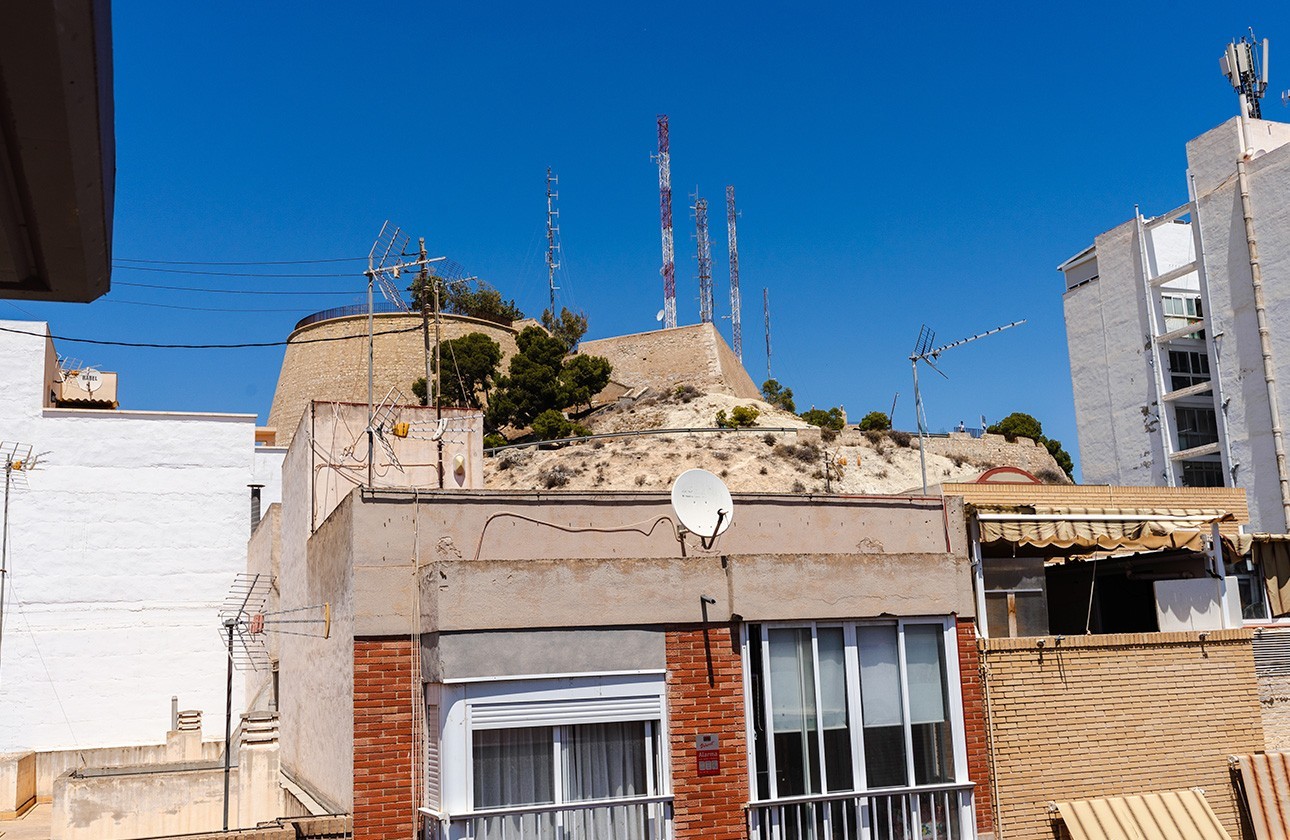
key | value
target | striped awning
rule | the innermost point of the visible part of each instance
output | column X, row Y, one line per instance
column 1265, row 781
column 1171, row 815
column 1127, row 529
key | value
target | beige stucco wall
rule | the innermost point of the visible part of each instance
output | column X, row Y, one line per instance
column 509, row 560
column 140, row 804
column 337, row 370
column 662, row 359
column 1116, row 715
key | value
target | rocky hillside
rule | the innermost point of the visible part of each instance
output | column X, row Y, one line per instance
column 761, row 459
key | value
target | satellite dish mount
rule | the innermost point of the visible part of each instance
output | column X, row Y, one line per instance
column 703, row 505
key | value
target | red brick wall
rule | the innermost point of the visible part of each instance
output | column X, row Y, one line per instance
column 974, row 724
column 385, row 799
column 705, row 695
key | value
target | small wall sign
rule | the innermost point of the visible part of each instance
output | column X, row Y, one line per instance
column 708, row 755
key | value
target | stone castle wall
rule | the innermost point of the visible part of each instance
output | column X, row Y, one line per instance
column 662, row 359
column 337, row 370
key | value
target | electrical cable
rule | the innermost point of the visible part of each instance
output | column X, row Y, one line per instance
column 234, row 273
column 251, row 262
column 204, row 290
column 244, row 345
column 196, row 308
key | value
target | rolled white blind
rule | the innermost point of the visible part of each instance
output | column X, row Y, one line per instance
column 926, row 673
column 565, row 712
column 879, row 676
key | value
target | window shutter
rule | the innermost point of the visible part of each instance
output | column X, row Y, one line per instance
column 565, row 712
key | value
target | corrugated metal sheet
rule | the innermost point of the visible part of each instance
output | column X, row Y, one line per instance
column 1271, row 652
column 1172, row 815
column 1266, row 782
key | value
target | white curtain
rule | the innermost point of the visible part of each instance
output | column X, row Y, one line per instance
column 792, row 680
column 606, row 761
column 925, row 670
column 513, row 767
column 879, row 676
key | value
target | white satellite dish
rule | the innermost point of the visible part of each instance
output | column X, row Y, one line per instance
column 89, row 380
column 659, row 316
column 702, row 503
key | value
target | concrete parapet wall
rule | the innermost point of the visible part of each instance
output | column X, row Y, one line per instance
column 141, row 804
column 17, row 784
column 1116, row 715
column 51, row 765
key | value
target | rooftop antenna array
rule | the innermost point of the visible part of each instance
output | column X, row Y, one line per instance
column 927, row 354
column 1246, row 72
column 245, row 623
column 385, row 262
column 736, row 305
column 703, row 255
column 18, row 461
column 551, row 230
column 765, row 305
column 664, row 158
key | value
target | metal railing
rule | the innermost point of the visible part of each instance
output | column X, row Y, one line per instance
column 635, row 818
column 378, row 308
column 940, row 812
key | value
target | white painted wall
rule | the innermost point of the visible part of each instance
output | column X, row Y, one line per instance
column 121, row 551
column 1115, row 401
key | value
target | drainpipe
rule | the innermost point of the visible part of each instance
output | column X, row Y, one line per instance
column 1265, row 336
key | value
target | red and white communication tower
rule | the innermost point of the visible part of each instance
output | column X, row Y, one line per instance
column 665, row 219
column 736, row 304
column 704, row 257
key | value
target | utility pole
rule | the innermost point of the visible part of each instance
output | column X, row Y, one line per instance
column 732, row 245
column 664, row 158
column 551, row 231
column 423, row 277
column 765, row 305
column 703, row 256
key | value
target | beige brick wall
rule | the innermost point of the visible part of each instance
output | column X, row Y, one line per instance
column 1115, row 715
column 337, row 370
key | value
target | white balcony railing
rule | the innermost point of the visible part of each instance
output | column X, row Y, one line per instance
column 942, row 812
column 635, row 818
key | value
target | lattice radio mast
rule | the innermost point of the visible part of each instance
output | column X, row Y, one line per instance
column 551, row 230
column 732, row 245
column 765, row 305
column 665, row 221
column 704, row 256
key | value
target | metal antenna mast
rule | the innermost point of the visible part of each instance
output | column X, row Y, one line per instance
column 668, row 271
column 924, row 352
column 765, row 305
column 732, row 245
column 18, row 461
column 704, row 256
column 1247, row 75
column 551, row 231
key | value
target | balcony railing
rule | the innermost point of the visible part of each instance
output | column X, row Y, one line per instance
column 635, row 818
column 942, row 812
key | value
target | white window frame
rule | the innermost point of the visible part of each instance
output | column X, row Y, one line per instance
column 597, row 694
column 954, row 690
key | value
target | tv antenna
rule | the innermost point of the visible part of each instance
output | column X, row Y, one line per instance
column 1247, row 73
column 702, row 504
column 245, row 625
column 18, row 461
column 927, row 354
column 385, row 262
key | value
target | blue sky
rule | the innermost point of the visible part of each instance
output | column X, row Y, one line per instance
column 895, row 165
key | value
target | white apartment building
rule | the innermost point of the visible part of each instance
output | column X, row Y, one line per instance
column 1175, row 383
column 122, row 544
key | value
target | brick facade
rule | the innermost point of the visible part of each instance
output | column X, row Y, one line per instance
column 386, row 761
column 974, row 725
column 705, row 695
column 1115, row 715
